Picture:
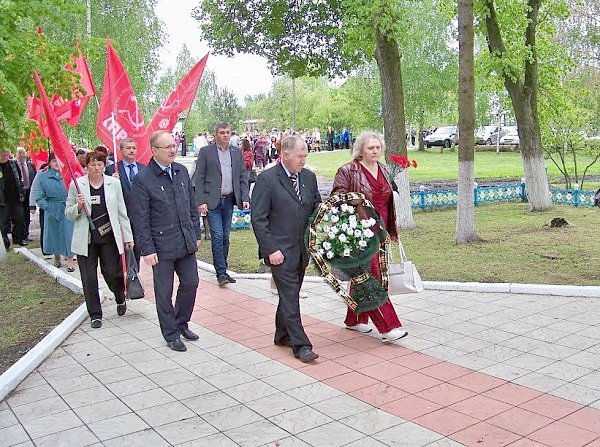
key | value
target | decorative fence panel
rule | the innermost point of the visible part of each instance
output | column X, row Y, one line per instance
column 441, row 198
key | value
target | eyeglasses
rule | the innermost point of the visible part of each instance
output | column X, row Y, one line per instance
column 170, row 146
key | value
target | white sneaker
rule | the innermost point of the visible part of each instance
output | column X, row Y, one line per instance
column 394, row 334
column 360, row 327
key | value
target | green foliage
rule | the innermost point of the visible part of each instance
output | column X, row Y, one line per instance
column 297, row 38
column 566, row 121
column 22, row 50
column 135, row 32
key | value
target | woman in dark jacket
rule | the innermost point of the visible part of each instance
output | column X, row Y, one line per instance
column 364, row 174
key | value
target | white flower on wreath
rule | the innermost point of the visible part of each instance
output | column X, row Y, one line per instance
column 329, row 255
column 331, row 235
column 344, row 226
column 335, row 218
column 326, row 229
column 346, row 252
column 368, row 233
column 321, row 251
column 357, row 233
column 372, row 221
column 327, row 245
column 334, row 210
column 326, row 218
column 362, row 243
column 349, row 231
column 335, row 230
column 351, row 211
column 342, row 238
column 365, row 223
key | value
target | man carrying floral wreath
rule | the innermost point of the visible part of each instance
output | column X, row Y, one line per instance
column 283, row 199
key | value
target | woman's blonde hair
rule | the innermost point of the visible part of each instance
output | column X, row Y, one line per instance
column 362, row 140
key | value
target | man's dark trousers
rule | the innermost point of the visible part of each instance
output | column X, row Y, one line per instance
column 288, row 322
column 14, row 211
column 219, row 222
column 174, row 319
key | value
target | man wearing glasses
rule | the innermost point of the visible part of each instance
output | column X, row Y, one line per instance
column 165, row 220
column 221, row 183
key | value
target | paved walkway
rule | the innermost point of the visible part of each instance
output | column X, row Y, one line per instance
column 476, row 370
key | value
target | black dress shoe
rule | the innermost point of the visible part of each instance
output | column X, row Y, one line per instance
column 231, row 280
column 121, row 309
column 188, row 335
column 96, row 323
column 23, row 243
column 222, row 280
column 305, row 354
column 177, row 345
column 283, row 342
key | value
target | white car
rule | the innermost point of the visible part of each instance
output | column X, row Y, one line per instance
column 488, row 134
column 511, row 137
column 446, row 136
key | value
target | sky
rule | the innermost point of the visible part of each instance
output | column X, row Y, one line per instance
column 242, row 74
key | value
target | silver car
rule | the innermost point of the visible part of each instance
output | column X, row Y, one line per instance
column 446, row 136
column 511, row 137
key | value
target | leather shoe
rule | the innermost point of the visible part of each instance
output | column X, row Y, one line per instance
column 283, row 342
column 305, row 354
column 177, row 345
column 222, row 280
column 121, row 309
column 188, row 335
column 231, row 280
column 23, row 243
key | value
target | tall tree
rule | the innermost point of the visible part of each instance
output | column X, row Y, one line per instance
column 516, row 60
column 465, row 215
column 136, row 34
column 314, row 38
column 25, row 46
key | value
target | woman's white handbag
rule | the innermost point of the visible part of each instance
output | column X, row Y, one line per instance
column 403, row 277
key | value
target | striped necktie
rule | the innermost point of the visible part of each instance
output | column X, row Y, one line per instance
column 295, row 185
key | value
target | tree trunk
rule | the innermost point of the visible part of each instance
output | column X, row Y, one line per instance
column 465, row 211
column 392, row 100
column 522, row 89
column 421, row 125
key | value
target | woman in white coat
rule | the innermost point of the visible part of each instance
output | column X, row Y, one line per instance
column 103, row 197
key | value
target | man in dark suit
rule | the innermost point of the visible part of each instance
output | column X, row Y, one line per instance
column 126, row 170
column 12, row 196
column 27, row 175
column 221, row 183
column 283, row 199
column 167, row 227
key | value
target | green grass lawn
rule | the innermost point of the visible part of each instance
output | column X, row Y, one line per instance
column 31, row 305
column 435, row 166
column 515, row 242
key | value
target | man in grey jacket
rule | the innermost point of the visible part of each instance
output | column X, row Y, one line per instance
column 221, row 183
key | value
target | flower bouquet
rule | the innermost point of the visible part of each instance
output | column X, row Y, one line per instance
column 344, row 233
column 399, row 163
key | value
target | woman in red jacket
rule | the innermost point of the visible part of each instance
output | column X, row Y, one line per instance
column 364, row 174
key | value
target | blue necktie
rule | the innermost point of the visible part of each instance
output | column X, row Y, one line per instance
column 131, row 173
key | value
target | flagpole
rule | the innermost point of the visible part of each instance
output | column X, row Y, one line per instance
column 114, row 136
column 85, row 208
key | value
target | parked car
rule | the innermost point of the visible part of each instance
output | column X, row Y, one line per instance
column 489, row 134
column 446, row 136
column 511, row 137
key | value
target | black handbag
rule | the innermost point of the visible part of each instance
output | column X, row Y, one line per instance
column 135, row 290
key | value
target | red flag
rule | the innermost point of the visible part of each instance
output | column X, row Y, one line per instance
column 36, row 152
column 180, row 99
column 71, row 110
column 119, row 116
column 34, row 112
column 70, row 167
